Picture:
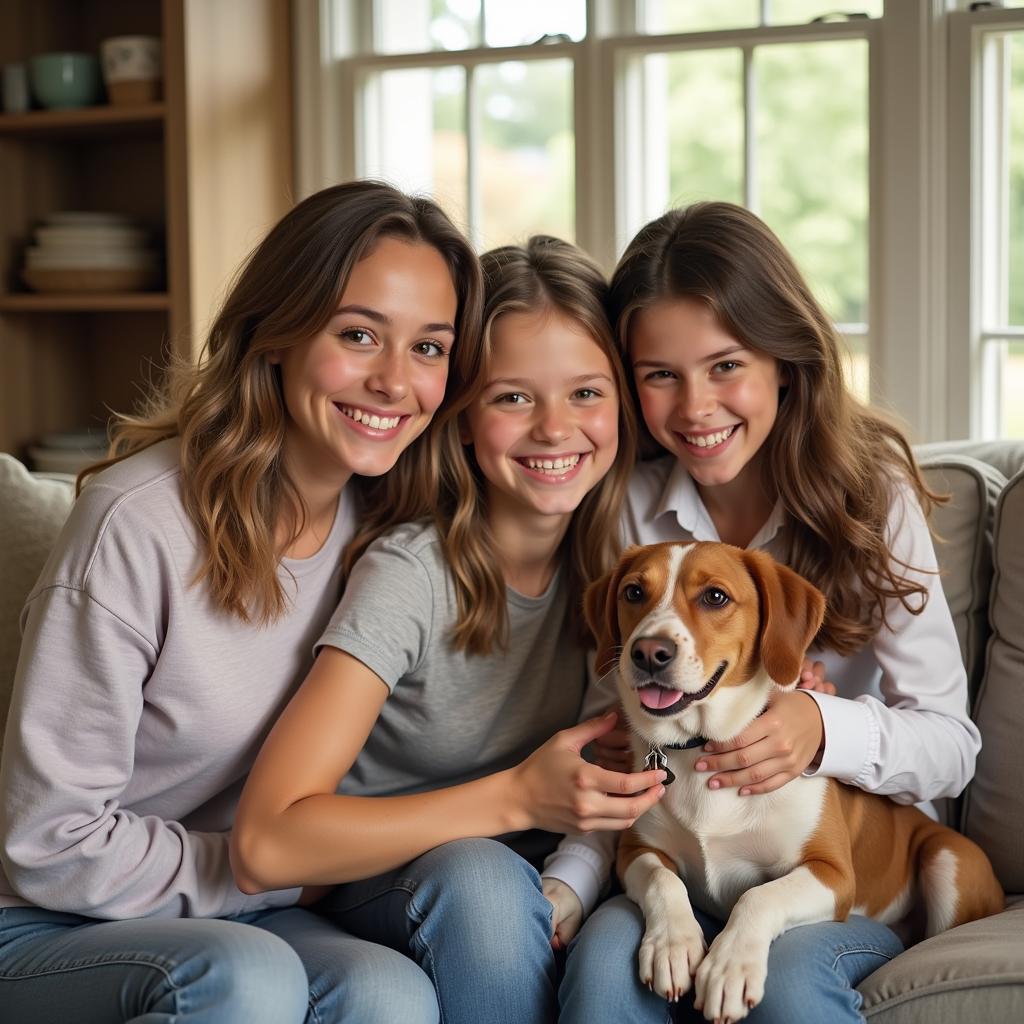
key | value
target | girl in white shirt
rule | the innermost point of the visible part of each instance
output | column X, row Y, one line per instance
column 739, row 374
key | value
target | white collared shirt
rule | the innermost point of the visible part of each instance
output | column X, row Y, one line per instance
column 899, row 722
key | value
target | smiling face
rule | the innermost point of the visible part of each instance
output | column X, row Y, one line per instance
column 544, row 428
column 706, row 398
column 688, row 619
column 699, row 634
column 359, row 392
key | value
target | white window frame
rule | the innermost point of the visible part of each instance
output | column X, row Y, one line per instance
column 916, row 351
column 976, row 224
column 632, row 131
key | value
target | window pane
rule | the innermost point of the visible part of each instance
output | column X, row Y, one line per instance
column 1016, row 183
column 1013, row 390
column 797, row 12
column 693, row 130
column 526, row 156
column 698, row 15
column 525, row 21
column 414, row 134
column 812, row 164
column 417, row 26
column 709, row 15
column 1002, row 411
column 857, row 366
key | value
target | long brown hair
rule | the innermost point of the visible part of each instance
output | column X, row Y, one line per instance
column 228, row 410
column 546, row 273
column 832, row 460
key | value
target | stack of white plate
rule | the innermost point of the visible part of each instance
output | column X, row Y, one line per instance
column 103, row 252
column 68, row 451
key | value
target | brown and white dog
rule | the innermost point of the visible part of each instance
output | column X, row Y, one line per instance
column 702, row 635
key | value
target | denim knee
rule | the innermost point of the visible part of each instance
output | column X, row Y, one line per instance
column 602, row 977
column 482, row 888
column 482, row 932
column 820, row 966
column 240, row 975
column 391, row 988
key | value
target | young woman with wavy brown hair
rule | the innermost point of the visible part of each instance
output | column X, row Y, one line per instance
column 739, row 374
column 424, row 727
column 176, row 616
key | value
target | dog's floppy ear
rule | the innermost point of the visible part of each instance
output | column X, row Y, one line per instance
column 601, row 610
column 791, row 613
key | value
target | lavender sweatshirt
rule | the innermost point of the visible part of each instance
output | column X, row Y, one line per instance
column 139, row 708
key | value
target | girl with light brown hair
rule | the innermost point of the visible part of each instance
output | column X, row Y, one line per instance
column 176, row 616
column 456, row 652
column 759, row 443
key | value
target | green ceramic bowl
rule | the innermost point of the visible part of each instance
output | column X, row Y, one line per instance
column 61, row 81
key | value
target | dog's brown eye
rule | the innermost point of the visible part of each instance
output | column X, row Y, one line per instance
column 633, row 594
column 714, row 598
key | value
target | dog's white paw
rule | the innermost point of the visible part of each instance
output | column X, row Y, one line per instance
column 670, row 952
column 730, row 981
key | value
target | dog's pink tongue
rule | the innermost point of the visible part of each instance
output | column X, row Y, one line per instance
column 658, row 697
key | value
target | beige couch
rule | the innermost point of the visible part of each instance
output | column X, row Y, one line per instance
column 973, row 973
column 976, row 972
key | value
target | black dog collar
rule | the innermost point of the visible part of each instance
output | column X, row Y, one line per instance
column 656, row 756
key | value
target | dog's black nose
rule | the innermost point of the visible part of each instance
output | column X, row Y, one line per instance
column 651, row 653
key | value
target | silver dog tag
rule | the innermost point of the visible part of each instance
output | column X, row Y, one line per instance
column 656, row 759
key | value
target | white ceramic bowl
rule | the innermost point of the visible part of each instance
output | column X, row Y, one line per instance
column 91, row 257
column 85, row 236
column 85, row 440
column 89, row 218
column 131, row 58
column 59, row 460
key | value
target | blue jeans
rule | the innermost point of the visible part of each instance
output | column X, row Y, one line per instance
column 273, row 967
column 813, row 971
column 471, row 913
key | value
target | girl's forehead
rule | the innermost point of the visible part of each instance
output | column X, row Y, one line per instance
column 550, row 347
column 679, row 324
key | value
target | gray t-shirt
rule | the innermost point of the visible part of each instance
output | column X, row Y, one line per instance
column 139, row 707
column 452, row 717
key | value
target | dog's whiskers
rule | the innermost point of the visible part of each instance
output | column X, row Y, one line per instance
column 613, row 664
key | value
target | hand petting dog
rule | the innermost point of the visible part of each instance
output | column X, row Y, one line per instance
column 560, row 792
column 773, row 750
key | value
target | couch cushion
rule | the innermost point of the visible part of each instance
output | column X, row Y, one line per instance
column 1006, row 456
column 964, row 546
column 972, row 973
column 32, row 511
column 994, row 808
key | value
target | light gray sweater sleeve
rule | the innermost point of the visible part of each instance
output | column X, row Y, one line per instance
column 68, row 844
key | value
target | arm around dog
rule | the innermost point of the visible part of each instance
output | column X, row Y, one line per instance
column 292, row 824
column 917, row 743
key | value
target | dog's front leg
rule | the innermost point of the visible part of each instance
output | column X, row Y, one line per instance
column 673, row 943
column 730, row 981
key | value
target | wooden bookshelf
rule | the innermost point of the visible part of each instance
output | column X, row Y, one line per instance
column 84, row 302
column 88, row 122
column 208, row 169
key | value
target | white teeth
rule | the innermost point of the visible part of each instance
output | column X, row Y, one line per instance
column 370, row 420
column 553, row 466
column 709, row 440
